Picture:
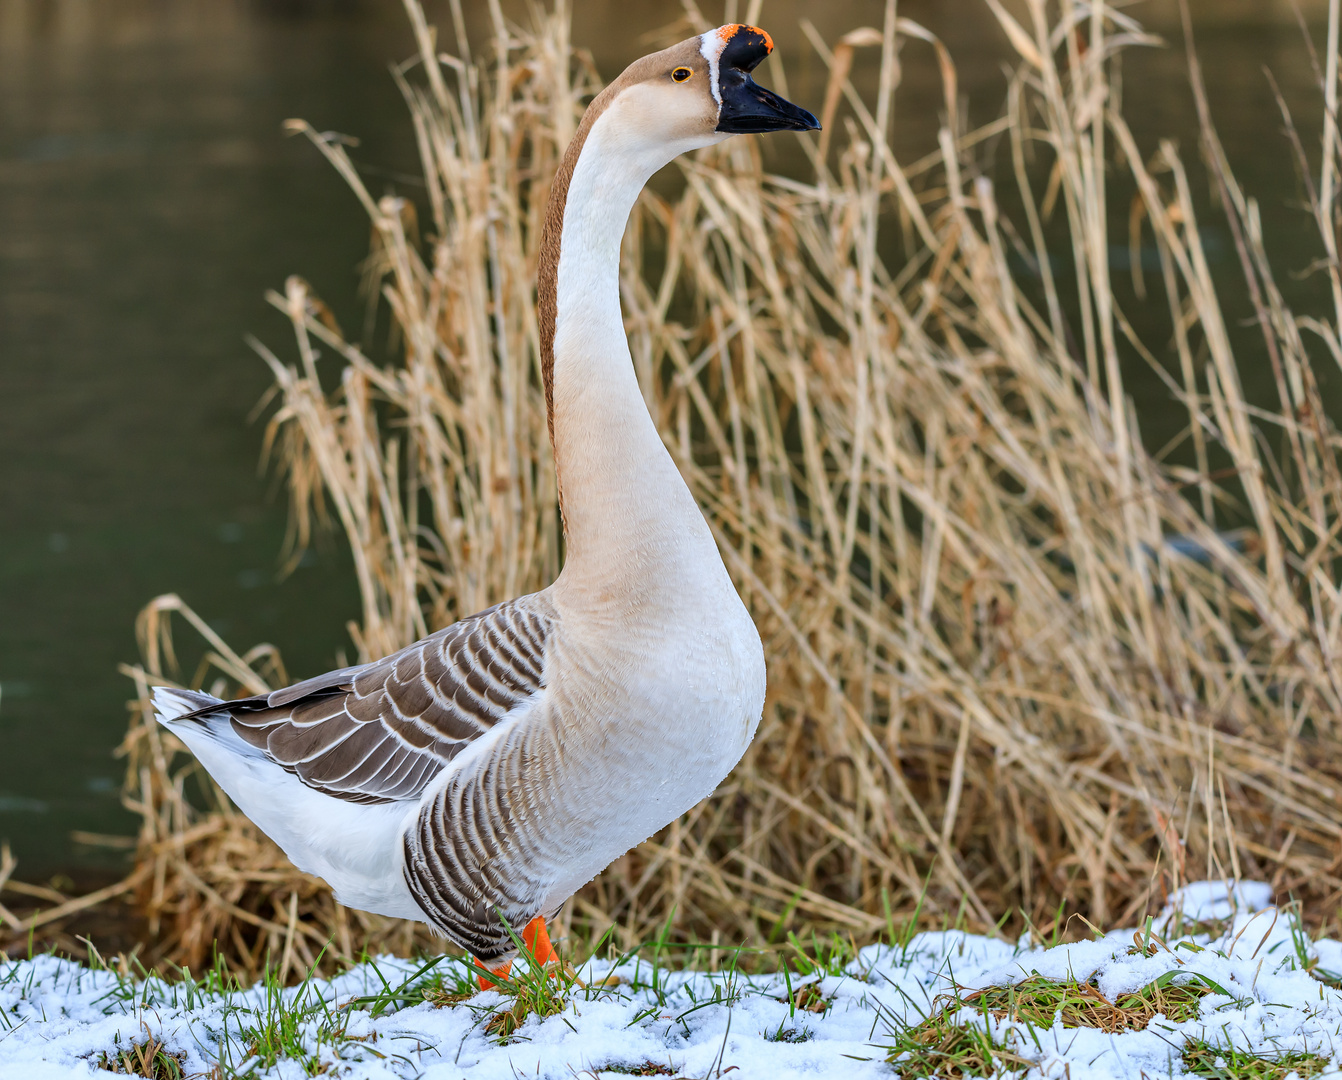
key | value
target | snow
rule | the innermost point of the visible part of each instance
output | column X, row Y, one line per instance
column 1203, row 901
column 57, row 1017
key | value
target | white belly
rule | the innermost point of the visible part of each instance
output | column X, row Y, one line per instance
column 685, row 723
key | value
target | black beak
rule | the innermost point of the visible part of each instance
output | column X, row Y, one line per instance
column 749, row 107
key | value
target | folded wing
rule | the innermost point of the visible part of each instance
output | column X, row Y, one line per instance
column 382, row 731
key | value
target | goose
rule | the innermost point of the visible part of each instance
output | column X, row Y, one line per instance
column 476, row 779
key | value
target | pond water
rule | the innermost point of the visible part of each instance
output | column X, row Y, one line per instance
column 148, row 198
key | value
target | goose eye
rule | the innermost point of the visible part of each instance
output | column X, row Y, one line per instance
column 681, row 74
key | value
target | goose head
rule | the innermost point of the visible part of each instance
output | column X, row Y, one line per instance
column 692, row 95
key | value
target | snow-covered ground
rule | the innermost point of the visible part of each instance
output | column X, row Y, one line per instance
column 1264, row 992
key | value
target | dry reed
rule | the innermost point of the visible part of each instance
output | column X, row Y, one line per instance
column 992, row 677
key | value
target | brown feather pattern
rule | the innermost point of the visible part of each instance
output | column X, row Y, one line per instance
column 381, row 732
column 463, row 856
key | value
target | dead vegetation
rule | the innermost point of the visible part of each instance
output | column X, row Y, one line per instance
column 148, row 1059
column 1012, row 655
column 1202, row 1058
column 1042, row 1002
column 955, row 1040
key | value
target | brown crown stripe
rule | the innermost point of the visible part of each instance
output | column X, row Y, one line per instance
column 547, row 270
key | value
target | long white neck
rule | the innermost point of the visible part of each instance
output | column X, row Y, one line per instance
column 629, row 518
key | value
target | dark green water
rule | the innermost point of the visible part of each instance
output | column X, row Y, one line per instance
column 147, row 200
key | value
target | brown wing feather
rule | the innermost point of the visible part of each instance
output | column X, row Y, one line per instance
column 380, row 732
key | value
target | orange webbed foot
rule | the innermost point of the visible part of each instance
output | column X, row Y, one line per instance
column 536, row 938
column 501, row 972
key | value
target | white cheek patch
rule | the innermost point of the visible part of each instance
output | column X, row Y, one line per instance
column 711, row 45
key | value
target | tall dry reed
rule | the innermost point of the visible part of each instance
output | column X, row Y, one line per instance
column 993, row 675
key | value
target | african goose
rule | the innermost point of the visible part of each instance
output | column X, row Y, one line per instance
column 489, row 771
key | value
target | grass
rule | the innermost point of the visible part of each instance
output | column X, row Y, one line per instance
column 824, row 956
column 1018, row 661
column 148, row 1059
column 1222, row 1063
column 538, row 992
column 948, row 1044
column 997, row 1030
column 810, row 998
column 262, row 1020
column 279, row 1029
column 951, row 1051
column 1043, row 1002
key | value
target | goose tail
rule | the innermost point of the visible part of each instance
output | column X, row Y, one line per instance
column 199, row 720
column 172, row 704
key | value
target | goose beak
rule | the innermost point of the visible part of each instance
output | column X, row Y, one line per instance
column 747, row 107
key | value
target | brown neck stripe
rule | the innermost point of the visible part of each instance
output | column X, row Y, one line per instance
column 547, row 268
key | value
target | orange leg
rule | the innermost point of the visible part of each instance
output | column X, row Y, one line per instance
column 537, row 940
column 502, row 971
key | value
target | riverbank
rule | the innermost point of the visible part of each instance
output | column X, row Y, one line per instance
column 1220, row 984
